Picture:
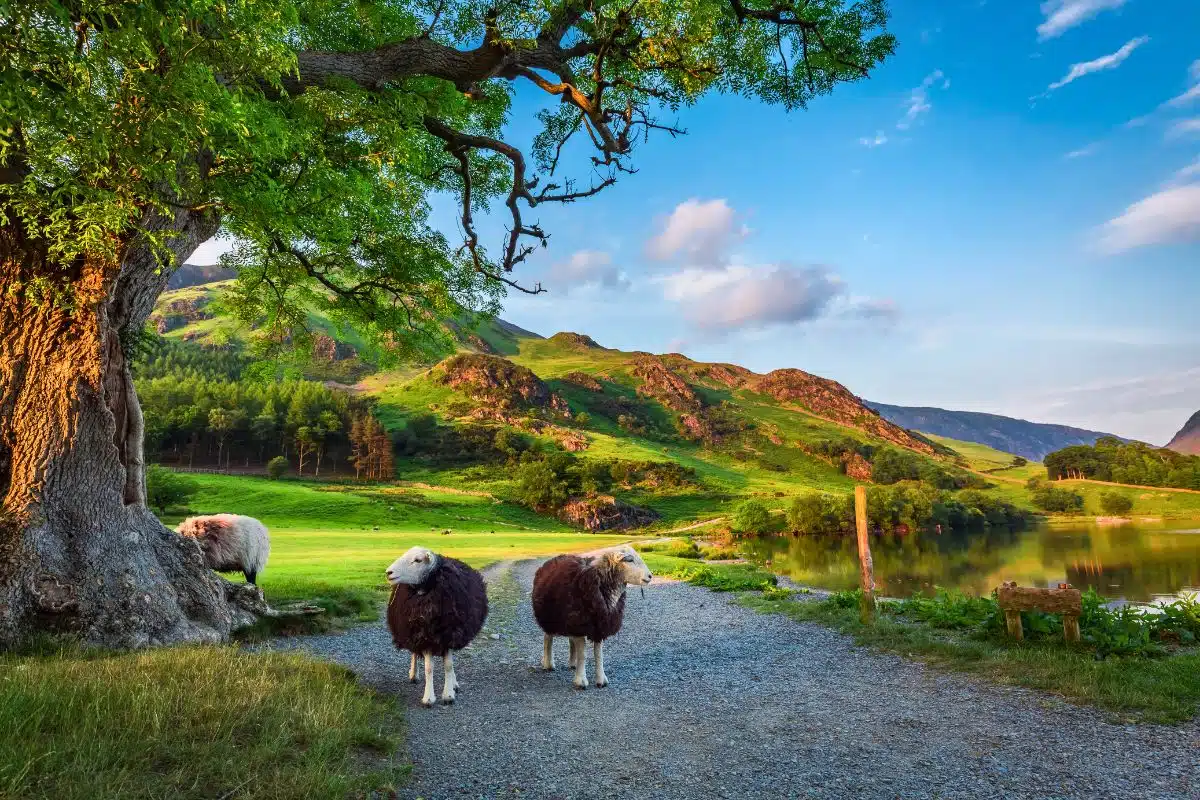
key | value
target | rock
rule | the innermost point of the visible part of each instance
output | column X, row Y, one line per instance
column 576, row 340
column 583, row 381
column 660, row 383
column 326, row 348
column 605, row 513
column 497, row 381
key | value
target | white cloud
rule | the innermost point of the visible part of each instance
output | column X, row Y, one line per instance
column 1185, row 174
column 879, row 138
column 740, row 297
column 1184, row 127
column 1193, row 92
column 1087, row 150
column 1170, row 215
column 210, row 252
column 588, row 268
column 1062, row 15
column 918, row 100
column 1110, row 61
column 698, row 231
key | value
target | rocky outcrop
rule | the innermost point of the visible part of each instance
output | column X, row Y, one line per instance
column 605, row 513
column 657, row 381
column 831, row 400
column 729, row 375
column 178, row 313
column 326, row 348
column 498, row 381
column 856, row 467
column 583, row 381
column 579, row 341
column 1187, row 441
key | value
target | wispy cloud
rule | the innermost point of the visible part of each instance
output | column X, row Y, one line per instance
column 1062, row 15
column 588, row 268
column 1186, row 174
column 1184, row 127
column 1083, row 152
column 1169, row 216
column 701, row 232
column 880, row 138
column 918, row 100
column 1110, row 61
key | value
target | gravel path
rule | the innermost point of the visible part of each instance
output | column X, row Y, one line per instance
column 707, row 699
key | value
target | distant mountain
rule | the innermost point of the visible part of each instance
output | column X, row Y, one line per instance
column 198, row 274
column 1032, row 440
column 1187, row 441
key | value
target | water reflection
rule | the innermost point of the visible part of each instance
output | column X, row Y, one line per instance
column 1133, row 562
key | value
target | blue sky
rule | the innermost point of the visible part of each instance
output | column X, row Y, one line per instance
column 952, row 232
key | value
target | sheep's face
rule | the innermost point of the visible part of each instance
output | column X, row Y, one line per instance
column 633, row 568
column 413, row 567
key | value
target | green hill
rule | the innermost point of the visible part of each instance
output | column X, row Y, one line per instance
column 595, row 436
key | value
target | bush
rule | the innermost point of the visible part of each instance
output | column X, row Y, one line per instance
column 1115, row 503
column 820, row 513
column 166, row 489
column 277, row 467
column 1058, row 501
column 751, row 518
column 1018, row 461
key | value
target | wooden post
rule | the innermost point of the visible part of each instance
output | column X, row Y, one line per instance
column 1012, row 619
column 866, row 566
column 1070, row 621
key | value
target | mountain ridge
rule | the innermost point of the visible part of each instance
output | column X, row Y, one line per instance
column 1031, row 440
column 1187, row 440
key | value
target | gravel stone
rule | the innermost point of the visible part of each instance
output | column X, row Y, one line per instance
column 709, row 699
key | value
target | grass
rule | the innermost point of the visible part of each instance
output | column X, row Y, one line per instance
column 191, row 722
column 1139, row 688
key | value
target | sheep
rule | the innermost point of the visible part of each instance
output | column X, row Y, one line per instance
column 583, row 597
column 438, row 605
column 231, row 542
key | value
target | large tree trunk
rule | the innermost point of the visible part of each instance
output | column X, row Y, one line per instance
column 79, row 551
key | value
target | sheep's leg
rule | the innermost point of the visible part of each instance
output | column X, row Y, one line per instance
column 412, row 669
column 581, row 681
column 251, row 577
column 573, row 658
column 450, row 682
column 601, row 678
column 548, row 653
column 429, row 697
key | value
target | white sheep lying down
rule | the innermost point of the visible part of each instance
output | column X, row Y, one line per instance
column 231, row 542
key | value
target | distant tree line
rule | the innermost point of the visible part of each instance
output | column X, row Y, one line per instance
column 1135, row 463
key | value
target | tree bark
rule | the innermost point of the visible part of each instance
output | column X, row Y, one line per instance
column 79, row 551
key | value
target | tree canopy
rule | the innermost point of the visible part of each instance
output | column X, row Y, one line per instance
column 316, row 132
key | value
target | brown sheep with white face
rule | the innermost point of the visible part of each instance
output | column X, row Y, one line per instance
column 582, row 598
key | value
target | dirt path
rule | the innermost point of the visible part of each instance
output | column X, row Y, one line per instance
column 692, row 527
column 707, row 699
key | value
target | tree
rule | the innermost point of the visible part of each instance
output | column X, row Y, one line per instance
column 315, row 133
column 751, row 518
column 221, row 421
column 806, row 514
column 166, row 489
column 1115, row 503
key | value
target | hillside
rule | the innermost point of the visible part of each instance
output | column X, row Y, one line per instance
column 1031, row 440
column 1187, row 441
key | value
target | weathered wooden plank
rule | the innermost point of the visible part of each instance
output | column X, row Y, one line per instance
column 1013, row 620
column 866, row 565
column 1063, row 600
column 1071, row 627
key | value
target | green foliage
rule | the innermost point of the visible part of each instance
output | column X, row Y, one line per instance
column 1132, row 463
column 277, row 467
column 166, row 489
column 540, row 487
column 751, row 518
column 1057, row 501
column 1115, row 503
column 820, row 513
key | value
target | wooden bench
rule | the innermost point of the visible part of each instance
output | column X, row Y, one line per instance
column 1064, row 600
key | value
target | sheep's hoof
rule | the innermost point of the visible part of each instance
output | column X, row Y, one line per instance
column 601, row 684
column 580, row 686
column 427, row 704
column 447, row 701
column 412, row 680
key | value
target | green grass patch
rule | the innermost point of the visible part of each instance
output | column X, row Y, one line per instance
column 718, row 577
column 191, row 722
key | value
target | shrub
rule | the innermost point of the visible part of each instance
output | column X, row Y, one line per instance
column 751, row 518
column 1115, row 503
column 277, row 467
column 1060, row 501
column 166, row 489
column 820, row 513
column 1019, row 461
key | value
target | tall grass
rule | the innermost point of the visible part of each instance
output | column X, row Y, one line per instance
column 191, row 722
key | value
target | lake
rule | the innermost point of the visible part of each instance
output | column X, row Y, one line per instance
column 1139, row 562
